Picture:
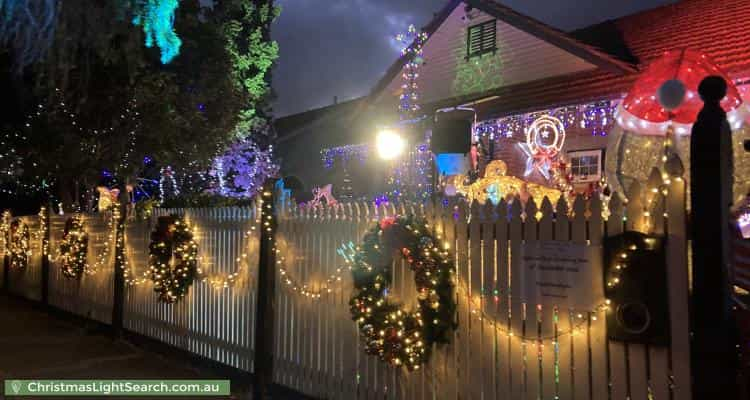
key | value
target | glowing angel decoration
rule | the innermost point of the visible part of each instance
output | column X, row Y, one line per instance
column 544, row 141
column 107, row 198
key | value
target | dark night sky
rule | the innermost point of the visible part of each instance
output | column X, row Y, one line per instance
column 342, row 47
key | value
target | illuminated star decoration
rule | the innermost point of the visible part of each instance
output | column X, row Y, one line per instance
column 540, row 150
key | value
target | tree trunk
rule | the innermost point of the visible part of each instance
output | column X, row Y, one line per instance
column 66, row 191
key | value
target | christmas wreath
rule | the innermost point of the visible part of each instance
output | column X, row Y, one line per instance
column 173, row 236
column 74, row 248
column 397, row 336
column 18, row 244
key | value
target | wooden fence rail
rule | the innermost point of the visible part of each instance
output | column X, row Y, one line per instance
column 508, row 345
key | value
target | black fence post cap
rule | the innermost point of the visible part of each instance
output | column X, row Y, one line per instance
column 712, row 89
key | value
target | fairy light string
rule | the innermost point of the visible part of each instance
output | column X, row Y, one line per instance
column 477, row 306
column 18, row 244
column 4, row 229
column 173, row 258
column 74, row 248
column 395, row 335
column 216, row 280
column 414, row 41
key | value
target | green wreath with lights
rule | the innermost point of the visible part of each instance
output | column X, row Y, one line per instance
column 173, row 237
column 74, row 248
column 397, row 336
column 18, row 244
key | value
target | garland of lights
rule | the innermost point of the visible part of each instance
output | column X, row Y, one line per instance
column 344, row 153
column 5, row 227
column 598, row 117
column 220, row 281
column 409, row 100
column 18, row 244
column 172, row 236
column 167, row 174
column 74, row 248
column 396, row 336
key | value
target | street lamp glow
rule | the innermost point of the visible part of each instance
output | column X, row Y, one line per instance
column 389, row 144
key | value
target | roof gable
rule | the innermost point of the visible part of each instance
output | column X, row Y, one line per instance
column 528, row 50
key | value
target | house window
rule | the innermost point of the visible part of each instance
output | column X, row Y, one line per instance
column 585, row 166
column 481, row 39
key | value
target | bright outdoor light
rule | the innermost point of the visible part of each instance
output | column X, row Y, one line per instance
column 390, row 145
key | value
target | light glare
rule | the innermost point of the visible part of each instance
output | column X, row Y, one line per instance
column 390, row 145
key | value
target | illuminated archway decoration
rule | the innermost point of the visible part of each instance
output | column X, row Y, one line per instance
column 544, row 141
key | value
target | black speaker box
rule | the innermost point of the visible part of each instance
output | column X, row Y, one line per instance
column 635, row 282
column 451, row 135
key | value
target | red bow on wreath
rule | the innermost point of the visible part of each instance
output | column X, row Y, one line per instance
column 387, row 222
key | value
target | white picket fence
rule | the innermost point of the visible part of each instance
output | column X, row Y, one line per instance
column 26, row 282
column 217, row 323
column 91, row 296
column 503, row 349
column 506, row 349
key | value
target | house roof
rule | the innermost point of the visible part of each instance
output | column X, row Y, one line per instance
column 289, row 126
column 715, row 27
column 522, row 22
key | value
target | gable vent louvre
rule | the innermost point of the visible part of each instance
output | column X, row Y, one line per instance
column 481, row 39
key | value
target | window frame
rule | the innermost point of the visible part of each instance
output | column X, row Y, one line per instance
column 482, row 31
column 599, row 153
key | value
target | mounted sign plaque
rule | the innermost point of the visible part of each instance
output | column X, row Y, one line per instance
column 561, row 273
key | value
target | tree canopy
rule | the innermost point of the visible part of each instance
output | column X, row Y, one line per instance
column 99, row 102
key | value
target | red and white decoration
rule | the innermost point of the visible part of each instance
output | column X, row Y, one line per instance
column 666, row 94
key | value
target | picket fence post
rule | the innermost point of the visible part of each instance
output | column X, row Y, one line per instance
column 118, row 295
column 45, row 256
column 264, row 329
